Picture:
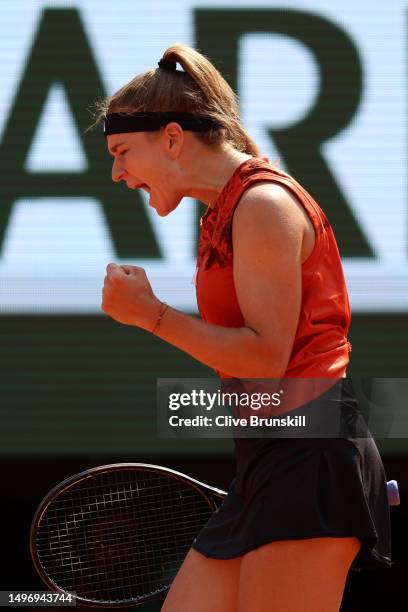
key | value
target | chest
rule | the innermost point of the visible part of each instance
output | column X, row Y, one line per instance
column 216, row 296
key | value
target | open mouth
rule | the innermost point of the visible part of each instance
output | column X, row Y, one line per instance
column 141, row 186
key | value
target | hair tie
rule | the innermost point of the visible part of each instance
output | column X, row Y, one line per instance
column 169, row 65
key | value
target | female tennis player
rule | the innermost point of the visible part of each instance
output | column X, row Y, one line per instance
column 273, row 304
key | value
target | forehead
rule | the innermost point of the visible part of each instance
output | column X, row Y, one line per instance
column 129, row 139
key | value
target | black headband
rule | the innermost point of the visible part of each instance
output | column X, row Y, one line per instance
column 118, row 123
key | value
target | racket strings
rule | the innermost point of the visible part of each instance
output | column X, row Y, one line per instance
column 123, row 540
column 80, row 515
column 111, row 555
column 121, row 535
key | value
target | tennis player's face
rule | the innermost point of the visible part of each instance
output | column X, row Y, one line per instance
column 140, row 163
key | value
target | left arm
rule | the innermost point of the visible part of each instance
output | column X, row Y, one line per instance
column 268, row 231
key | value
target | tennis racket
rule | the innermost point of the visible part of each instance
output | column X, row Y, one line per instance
column 116, row 535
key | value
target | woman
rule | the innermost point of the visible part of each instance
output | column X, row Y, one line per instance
column 273, row 303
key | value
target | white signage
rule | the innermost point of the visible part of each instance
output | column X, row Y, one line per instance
column 55, row 249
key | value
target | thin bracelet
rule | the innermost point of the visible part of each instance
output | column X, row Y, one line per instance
column 163, row 308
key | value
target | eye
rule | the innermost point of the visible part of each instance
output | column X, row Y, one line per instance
column 123, row 152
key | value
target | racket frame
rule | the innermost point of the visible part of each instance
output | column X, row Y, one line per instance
column 208, row 492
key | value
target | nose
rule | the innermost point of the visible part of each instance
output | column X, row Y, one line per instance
column 117, row 171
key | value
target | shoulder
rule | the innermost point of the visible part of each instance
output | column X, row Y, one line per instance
column 269, row 211
column 268, row 206
column 270, row 198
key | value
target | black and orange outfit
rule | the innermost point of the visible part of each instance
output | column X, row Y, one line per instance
column 289, row 488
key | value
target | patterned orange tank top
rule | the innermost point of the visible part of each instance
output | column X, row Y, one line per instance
column 320, row 348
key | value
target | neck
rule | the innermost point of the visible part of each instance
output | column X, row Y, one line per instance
column 209, row 170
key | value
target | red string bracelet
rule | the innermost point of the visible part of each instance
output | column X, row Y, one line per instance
column 162, row 310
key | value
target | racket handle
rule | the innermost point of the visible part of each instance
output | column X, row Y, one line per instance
column 393, row 493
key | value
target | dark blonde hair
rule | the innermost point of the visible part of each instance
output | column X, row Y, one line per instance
column 198, row 89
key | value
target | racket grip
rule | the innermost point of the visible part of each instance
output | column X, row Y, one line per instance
column 393, row 493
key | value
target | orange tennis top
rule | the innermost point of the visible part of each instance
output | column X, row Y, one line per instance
column 320, row 348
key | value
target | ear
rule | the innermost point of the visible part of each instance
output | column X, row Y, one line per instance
column 173, row 139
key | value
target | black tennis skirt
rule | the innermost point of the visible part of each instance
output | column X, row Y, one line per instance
column 293, row 488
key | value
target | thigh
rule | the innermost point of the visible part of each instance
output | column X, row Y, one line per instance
column 293, row 575
column 204, row 585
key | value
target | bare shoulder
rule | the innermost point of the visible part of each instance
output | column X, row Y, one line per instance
column 271, row 208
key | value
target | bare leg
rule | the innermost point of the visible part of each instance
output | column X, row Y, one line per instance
column 204, row 585
column 296, row 575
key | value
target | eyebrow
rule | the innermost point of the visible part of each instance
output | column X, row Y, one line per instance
column 113, row 149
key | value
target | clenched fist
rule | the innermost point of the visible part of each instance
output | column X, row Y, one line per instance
column 127, row 296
